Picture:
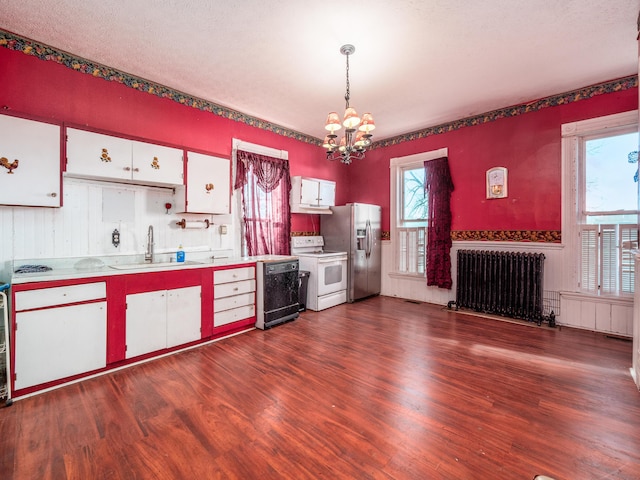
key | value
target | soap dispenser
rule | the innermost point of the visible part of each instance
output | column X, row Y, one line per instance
column 180, row 254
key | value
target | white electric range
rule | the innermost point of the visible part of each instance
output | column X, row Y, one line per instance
column 327, row 272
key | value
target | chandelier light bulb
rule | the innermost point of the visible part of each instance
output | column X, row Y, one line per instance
column 351, row 119
column 367, row 124
column 329, row 142
column 333, row 122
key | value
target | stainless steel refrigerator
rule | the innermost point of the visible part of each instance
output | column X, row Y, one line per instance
column 355, row 228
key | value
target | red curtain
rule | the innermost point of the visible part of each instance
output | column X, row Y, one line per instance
column 438, row 186
column 266, row 184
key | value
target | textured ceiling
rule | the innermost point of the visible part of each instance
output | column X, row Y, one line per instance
column 417, row 63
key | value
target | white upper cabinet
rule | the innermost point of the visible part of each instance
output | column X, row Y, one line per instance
column 99, row 156
column 312, row 195
column 29, row 162
column 95, row 155
column 208, row 186
column 157, row 164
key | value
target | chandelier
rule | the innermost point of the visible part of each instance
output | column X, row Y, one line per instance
column 357, row 134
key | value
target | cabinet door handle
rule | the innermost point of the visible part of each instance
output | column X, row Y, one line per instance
column 127, row 169
column 136, row 169
column 53, row 194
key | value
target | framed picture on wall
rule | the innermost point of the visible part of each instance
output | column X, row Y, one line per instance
column 497, row 182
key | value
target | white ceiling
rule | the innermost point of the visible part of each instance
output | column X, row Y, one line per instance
column 417, row 63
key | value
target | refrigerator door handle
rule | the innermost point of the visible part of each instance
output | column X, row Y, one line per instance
column 368, row 239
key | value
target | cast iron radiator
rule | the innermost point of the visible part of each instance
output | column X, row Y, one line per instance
column 501, row 283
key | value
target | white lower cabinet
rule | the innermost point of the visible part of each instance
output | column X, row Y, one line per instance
column 54, row 340
column 234, row 297
column 162, row 319
column 183, row 316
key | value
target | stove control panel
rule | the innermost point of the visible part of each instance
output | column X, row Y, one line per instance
column 309, row 243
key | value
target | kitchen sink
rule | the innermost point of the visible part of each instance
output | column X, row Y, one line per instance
column 139, row 266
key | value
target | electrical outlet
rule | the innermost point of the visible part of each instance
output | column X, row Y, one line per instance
column 223, row 229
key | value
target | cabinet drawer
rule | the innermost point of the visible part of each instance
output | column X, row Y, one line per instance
column 48, row 297
column 235, row 301
column 234, row 288
column 233, row 315
column 233, row 275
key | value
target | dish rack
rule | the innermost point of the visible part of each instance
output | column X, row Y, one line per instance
column 5, row 382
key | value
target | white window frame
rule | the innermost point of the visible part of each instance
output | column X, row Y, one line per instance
column 409, row 243
column 573, row 228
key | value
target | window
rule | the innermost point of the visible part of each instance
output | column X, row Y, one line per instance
column 413, row 215
column 409, row 209
column 601, row 155
column 262, row 175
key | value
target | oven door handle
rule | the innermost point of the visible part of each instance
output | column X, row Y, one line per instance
column 332, row 260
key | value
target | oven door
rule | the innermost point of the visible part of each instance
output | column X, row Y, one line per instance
column 332, row 274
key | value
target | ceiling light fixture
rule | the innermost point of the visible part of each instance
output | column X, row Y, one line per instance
column 357, row 135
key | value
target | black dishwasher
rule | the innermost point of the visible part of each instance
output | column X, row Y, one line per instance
column 280, row 284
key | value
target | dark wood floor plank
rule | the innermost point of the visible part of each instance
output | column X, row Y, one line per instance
column 380, row 389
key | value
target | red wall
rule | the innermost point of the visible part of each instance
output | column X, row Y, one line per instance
column 52, row 91
column 528, row 145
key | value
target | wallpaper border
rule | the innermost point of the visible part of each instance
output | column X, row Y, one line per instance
column 538, row 236
column 15, row 42
column 47, row 53
column 584, row 93
column 534, row 236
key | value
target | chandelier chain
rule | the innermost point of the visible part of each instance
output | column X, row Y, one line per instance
column 347, row 95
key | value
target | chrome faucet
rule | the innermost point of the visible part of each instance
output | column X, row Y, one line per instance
column 148, row 255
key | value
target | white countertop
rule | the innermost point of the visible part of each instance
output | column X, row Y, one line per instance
column 66, row 270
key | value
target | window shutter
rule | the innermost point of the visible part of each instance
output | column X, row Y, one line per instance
column 402, row 250
column 421, row 245
column 412, row 250
column 628, row 241
column 609, row 259
column 412, row 246
column 589, row 264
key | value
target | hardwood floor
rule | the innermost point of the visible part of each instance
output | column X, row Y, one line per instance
column 380, row 389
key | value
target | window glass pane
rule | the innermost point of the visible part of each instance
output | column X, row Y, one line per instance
column 600, row 219
column 610, row 173
column 414, row 200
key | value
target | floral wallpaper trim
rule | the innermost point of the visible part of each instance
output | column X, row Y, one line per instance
column 542, row 236
column 44, row 52
column 618, row 85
